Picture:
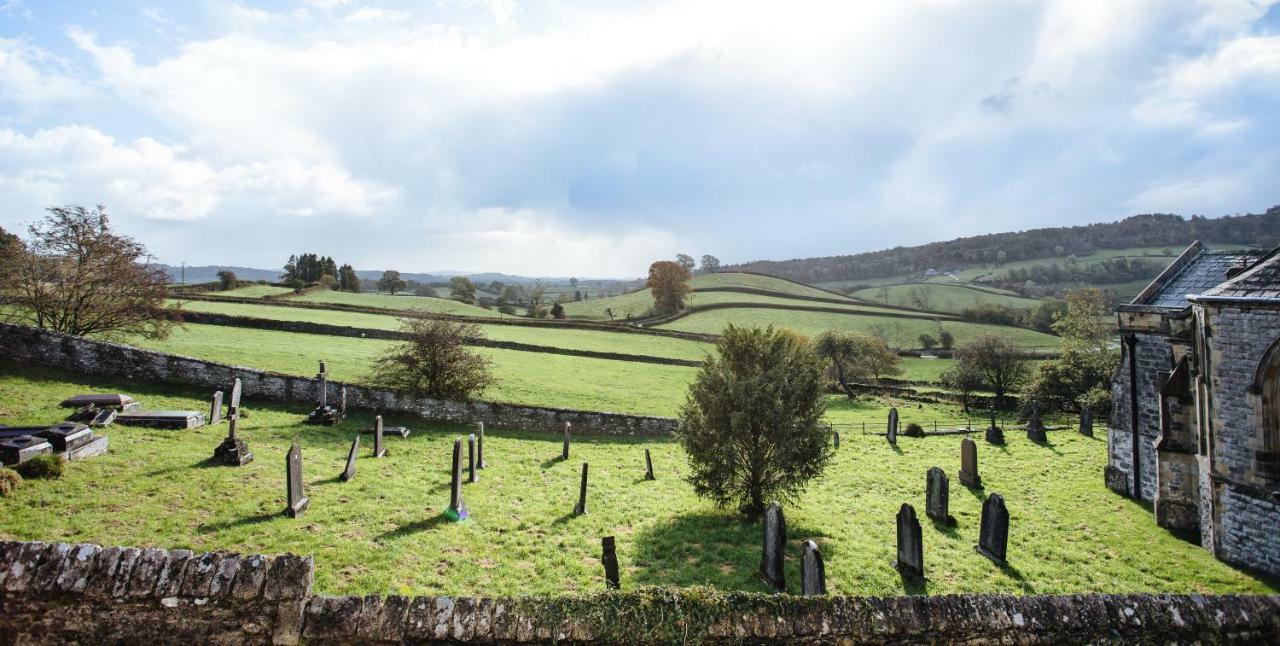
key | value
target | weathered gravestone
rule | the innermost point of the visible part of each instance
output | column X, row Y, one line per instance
column 937, row 500
column 993, row 536
column 1035, row 428
column 378, row 450
column 233, row 451
column 233, row 402
column 969, row 463
column 93, row 415
column 581, row 508
column 564, row 452
column 113, row 400
column 648, row 466
column 342, row 401
column 170, row 419
column 471, row 459
column 835, row 439
column 457, row 510
column 293, row 473
column 813, row 575
column 995, row 434
column 15, row 450
column 215, row 408
column 609, row 558
column 349, row 473
column 892, row 431
column 480, row 463
column 910, row 544
column 324, row 413
column 67, row 436
column 1086, row 421
column 775, row 542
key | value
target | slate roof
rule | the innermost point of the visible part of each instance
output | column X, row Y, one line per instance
column 1261, row 281
column 1197, row 271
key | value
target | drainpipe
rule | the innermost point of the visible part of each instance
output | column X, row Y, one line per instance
column 1131, row 340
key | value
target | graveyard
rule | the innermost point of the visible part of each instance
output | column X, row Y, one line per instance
column 385, row 529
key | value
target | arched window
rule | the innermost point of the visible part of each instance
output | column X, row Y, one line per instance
column 1267, row 385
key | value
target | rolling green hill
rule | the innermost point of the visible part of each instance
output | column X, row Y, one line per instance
column 399, row 302
column 941, row 296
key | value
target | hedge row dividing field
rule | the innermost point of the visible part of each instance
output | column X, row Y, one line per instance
column 383, row 533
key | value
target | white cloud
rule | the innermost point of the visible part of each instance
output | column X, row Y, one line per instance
column 1187, row 92
column 33, row 79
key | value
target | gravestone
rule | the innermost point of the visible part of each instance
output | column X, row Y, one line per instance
column 93, row 415
column 648, row 466
column 1035, row 428
column 170, row 419
column 325, row 413
column 233, row 451
column 215, row 408
column 1086, row 421
column 113, row 400
column 377, row 427
column 775, row 541
column 892, row 431
column 581, row 508
column 15, row 450
column 993, row 536
column 969, row 464
column 480, row 463
column 293, row 473
column 610, row 559
column 233, row 402
column 342, row 401
column 564, row 452
column 937, row 501
column 995, row 434
column 813, row 575
column 471, row 459
column 457, row 510
column 67, row 436
column 350, row 472
column 910, row 544
column 836, row 439
column 378, row 450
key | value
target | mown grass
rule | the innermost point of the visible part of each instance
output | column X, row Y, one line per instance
column 401, row 302
column 942, row 297
column 901, row 332
column 252, row 291
column 383, row 532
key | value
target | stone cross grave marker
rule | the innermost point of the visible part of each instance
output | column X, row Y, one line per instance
column 233, row 403
column 995, row 434
column 480, row 463
column 457, row 510
column 813, row 574
column 937, row 500
column 648, row 466
column 350, row 472
column 910, row 544
column 233, row 451
column 215, row 408
column 378, row 450
column 293, row 473
column 892, row 431
column 775, row 542
column 1086, row 421
column 610, row 559
column 471, row 460
column 993, row 537
column 581, row 508
column 323, row 378
column 969, row 464
column 564, row 452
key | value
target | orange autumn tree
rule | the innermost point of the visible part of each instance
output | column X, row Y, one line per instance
column 669, row 283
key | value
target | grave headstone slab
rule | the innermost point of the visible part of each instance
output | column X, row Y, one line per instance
column 1086, row 421
column 104, row 417
column 67, row 436
column 564, row 452
column 648, row 466
column 233, row 402
column 892, row 431
column 349, row 472
column 609, row 558
column 457, row 510
column 16, row 450
column 1035, row 428
column 995, row 434
column 342, row 401
column 215, row 408
column 170, row 419
column 480, row 463
column 378, row 450
column 85, row 414
column 969, row 464
column 813, row 576
column 293, row 473
column 937, row 497
column 471, row 459
column 581, row 508
column 836, row 439
column 993, row 536
column 910, row 544
column 96, row 446
column 775, row 541
column 117, row 400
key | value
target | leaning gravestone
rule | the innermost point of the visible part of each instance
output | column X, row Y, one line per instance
column 564, row 452
column 993, row 537
column 233, row 403
column 293, row 473
column 892, row 431
column 1035, row 428
column 610, row 559
column 472, row 478
column 581, row 508
column 378, row 450
column 969, row 464
column 215, row 408
column 1086, row 421
column 648, row 465
column 910, row 544
column 937, row 497
column 813, row 576
column 480, row 463
column 457, row 510
column 349, row 473
column 775, row 541
column 995, row 434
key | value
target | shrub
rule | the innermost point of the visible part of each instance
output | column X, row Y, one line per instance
column 507, row 309
column 557, row 311
column 41, row 467
column 750, row 423
column 9, row 481
column 914, row 430
column 435, row 362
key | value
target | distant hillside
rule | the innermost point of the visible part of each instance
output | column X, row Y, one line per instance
column 209, row 273
column 1150, row 230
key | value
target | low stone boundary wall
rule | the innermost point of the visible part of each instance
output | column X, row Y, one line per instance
column 44, row 348
column 55, row 593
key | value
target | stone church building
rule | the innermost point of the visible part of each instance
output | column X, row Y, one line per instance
column 1195, row 425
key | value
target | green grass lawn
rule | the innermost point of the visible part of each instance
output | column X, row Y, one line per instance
column 637, row 304
column 900, row 332
column 401, row 302
column 252, row 291
column 943, row 297
column 383, row 532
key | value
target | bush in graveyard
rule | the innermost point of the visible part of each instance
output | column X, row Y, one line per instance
column 48, row 467
column 9, row 481
column 913, row 430
column 436, row 361
column 750, row 424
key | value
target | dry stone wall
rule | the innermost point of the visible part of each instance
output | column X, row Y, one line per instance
column 44, row 348
column 55, row 593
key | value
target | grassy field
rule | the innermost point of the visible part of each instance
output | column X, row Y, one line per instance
column 401, row 302
column 943, row 297
column 383, row 532
column 252, row 291
column 637, row 304
column 900, row 332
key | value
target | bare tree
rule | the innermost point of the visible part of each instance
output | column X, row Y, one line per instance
column 77, row 277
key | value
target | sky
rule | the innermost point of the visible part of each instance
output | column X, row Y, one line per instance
column 591, row 138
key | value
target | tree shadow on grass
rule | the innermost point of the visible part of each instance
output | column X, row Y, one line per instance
column 717, row 550
column 547, row 464
column 413, row 528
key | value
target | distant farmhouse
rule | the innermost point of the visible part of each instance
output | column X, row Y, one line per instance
column 1195, row 428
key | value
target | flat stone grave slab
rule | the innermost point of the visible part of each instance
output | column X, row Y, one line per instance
column 399, row 431
column 16, row 450
column 173, row 419
column 97, row 446
column 116, row 400
column 67, row 436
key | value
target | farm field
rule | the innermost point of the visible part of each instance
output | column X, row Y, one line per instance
column 943, row 297
column 1068, row 534
column 638, row 303
column 251, row 291
column 403, row 302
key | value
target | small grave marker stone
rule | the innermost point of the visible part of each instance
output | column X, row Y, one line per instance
column 648, row 466
column 813, row 575
column 609, row 558
column 993, row 536
column 349, row 473
column 457, row 510
column 1086, row 421
column 293, row 473
column 937, row 497
column 233, row 403
column 910, row 544
column 564, row 452
column 378, row 450
column 995, row 434
column 836, row 439
column 892, row 431
column 215, row 408
column 480, row 463
column 1035, row 428
column 775, row 541
column 472, row 478
column 581, row 507
column 969, row 464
